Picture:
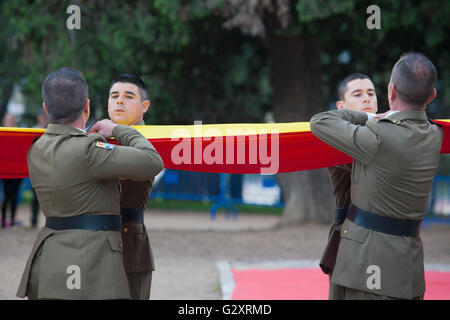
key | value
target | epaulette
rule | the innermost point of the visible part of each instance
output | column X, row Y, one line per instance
column 390, row 120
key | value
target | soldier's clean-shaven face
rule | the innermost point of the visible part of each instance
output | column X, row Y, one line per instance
column 359, row 96
column 125, row 105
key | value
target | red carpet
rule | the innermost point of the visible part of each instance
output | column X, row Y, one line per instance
column 311, row 284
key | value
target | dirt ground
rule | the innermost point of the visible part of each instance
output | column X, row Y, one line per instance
column 188, row 245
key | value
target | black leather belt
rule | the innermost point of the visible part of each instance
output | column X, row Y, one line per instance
column 340, row 215
column 369, row 220
column 104, row 222
column 132, row 215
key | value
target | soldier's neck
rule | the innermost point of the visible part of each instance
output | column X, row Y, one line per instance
column 79, row 123
column 399, row 106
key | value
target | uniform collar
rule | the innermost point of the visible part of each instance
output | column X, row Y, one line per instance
column 63, row 129
column 407, row 115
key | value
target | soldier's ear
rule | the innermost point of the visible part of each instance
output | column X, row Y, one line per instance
column 146, row 105
column 44, row 107
column 87, row 110
column 340, row 105
column 432, row 96
column 392, row 91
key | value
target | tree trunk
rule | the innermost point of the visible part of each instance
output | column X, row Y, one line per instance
column 297, row 95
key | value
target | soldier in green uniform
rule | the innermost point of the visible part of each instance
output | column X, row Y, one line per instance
column 396, row 156
column 127, row 103
column 356, row 92
column 78, row 254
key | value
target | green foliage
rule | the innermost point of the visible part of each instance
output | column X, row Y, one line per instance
column 410, row 25
column 178, row 47
column 310, row 10
column 197, row 70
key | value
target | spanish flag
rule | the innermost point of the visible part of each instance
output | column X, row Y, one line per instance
column 226, row 148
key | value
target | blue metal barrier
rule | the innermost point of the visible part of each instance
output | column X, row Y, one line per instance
column 224, row 201
column 438, row 209
column 187, row 185
column 223, row 190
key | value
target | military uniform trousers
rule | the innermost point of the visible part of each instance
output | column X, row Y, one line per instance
column 328, row 259
column 75, row 264
column 138, row 259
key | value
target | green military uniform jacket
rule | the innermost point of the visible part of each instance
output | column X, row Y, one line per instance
column 73, row 173
column 395, row 160
column 340, row 180
column 137, row 252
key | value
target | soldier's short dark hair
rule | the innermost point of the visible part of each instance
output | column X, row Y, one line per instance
column 342, row 89
column 65, row 92
column 131, row 78
column 414, row 77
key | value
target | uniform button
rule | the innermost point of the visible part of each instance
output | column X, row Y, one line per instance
column 120, row 245
column 125, row 229
column 345, row 231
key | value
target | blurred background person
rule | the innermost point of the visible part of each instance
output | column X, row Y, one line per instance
column 9, row 120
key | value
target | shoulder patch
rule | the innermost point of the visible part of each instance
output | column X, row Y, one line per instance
column 104, row 145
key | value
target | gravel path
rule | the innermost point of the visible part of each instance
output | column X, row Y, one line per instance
column 188, row 245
